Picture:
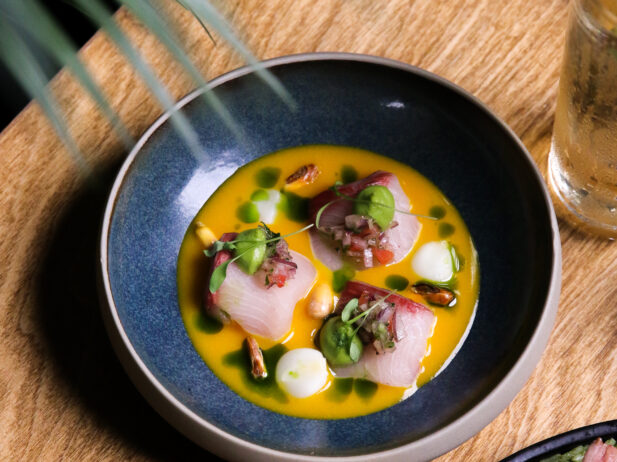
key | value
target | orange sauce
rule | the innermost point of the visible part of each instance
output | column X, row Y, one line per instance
column 219, row 214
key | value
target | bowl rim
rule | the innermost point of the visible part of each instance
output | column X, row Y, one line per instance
column 564, row 442
column 212, row 438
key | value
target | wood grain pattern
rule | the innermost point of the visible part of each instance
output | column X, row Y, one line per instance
column 63, row 395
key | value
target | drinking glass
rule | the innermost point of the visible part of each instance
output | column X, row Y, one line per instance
column 583, row 156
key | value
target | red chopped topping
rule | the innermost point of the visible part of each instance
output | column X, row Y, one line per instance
column 278, row 279
column 383, row 256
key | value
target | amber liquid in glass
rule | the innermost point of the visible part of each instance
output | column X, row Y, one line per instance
column 583, row 157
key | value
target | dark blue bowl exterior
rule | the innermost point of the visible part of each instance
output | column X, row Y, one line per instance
column 408, row 117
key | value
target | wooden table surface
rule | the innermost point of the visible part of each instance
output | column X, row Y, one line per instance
column 63, row 394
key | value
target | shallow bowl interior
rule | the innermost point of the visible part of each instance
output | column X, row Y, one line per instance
column 381, row 106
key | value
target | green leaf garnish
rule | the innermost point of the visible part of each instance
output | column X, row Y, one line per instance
column 218, row 275
column 342, row 197
column 217, row 246
column 364, row 314
column 456, row 260
column 269, row 233
column 354, row 352
column 349, row 308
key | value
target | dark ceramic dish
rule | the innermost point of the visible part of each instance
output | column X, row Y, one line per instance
column 371, row 103
column 564, row 442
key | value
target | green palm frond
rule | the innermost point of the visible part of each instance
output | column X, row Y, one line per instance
column 24, row 66
column 207, row 14
column 21, row 18
column 152, row 19
column 99, row 14
column 39, row 24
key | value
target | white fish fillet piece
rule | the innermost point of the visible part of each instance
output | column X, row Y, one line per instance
column 402, row 237
column 261, row 311
column 401, row 367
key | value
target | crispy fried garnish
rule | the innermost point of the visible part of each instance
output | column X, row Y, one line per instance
column 433, row 294
column 303, row 176
column 258, row 366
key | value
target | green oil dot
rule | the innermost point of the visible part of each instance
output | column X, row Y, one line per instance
column 397, row 282
column 259, row 195
column 365, row 389
column 340, row 389
column 240, row 359
column 295, row 207
column 437, row 211
column 340, row 278
column 445, row 229
column 348, row 174
column 207, row 324
column 267, row 177
column 247, row 212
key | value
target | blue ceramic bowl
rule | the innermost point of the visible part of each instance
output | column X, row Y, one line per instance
column 371, row 103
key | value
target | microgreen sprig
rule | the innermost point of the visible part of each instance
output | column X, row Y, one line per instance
column 220, row 272
column 350, row 307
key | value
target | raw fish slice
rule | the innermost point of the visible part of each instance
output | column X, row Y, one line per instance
column 401, row 238
column 324, row 249
column 595, row 452
column 404, row 236
column 414, row 325
column 611, row 454
column 245, row 299
column 600, row 452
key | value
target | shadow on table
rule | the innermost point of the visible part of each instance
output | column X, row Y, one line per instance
column 75, row 335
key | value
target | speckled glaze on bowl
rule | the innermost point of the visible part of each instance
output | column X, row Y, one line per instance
column 342, row 99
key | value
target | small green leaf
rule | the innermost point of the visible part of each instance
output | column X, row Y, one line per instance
column 269, row 233
column 216, row 247
column 354, row 352
column 456, row 263
column 350, row 307
column 218, row 276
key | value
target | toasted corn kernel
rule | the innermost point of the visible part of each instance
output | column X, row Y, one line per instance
column 205, row 235
column 321, row 302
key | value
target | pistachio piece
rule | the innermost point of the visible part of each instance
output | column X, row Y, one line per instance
column 205, row 235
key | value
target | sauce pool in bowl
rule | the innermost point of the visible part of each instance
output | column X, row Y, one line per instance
column 230, row 209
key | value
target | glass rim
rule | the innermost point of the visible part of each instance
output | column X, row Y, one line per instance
column 590, row 21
